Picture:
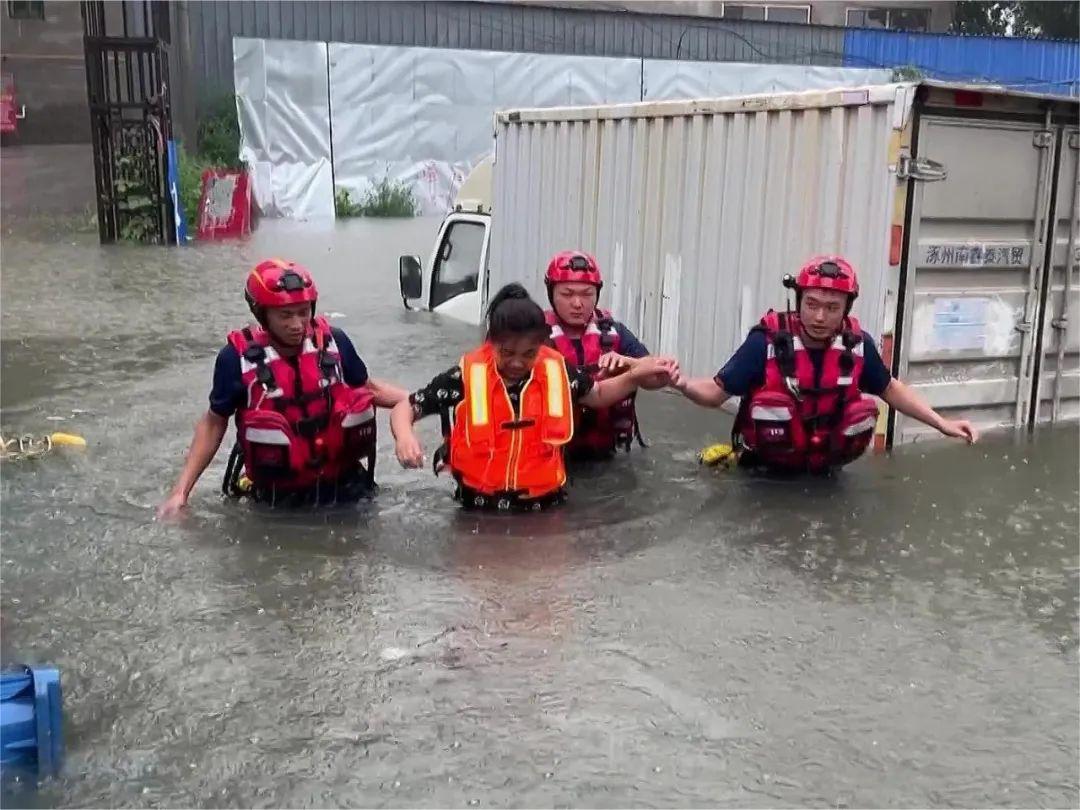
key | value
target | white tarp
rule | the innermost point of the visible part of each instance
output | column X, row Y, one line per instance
column 283, row 105
column 424, row 115
column 664, row 79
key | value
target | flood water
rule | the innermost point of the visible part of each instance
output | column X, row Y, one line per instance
column 902, row 635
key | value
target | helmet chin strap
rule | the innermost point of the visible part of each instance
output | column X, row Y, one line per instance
column 259, row 313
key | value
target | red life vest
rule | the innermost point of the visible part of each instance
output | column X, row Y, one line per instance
column 302, row 426
column 596, row 431
column 798, row 419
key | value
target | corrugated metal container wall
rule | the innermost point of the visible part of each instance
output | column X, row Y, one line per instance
column 989, row 242
column 696, row 210
column 1034, row 65
column 1059, row 394
column 209, row 27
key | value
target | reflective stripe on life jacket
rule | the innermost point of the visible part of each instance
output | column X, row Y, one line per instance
column 800, row 418
column 495, row 451
column 604, row 430
column 302, row 425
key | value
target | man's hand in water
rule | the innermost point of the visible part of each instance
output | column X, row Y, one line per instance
column 959, row 429
column 409, row 452
column 172, row 506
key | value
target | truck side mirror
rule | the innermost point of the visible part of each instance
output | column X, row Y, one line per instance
column 410, row 279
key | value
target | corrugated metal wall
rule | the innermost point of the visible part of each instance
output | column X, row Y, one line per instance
column 695, row 217
column 203, row 32
column 210, row 26
column 1043, row 66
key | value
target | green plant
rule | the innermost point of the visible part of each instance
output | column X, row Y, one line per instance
column 135, row 206
column 1017, row 18
column 217, row 136
column 191, row 169
column 344, row 206
column 908, row 73
column 389, row 198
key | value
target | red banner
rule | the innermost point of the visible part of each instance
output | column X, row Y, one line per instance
column 225, row 204
column 8, row 114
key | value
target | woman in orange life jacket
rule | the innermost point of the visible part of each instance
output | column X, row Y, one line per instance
column 302, row 398
column 802, row 377
column 584, row 334
column 508, row 409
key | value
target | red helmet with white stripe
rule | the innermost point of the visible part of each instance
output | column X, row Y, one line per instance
column 279, row 283
column 828, row 273
column 574, row 266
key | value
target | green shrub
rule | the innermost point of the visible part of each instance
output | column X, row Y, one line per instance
column 217, row 136
column 344, row 206
column 137, row 219
column 389, row 198
column 191, row 170
column 908, row 73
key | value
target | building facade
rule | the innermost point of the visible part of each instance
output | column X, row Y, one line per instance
column 41, row 47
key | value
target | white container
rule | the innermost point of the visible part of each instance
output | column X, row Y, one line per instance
column 946, row 198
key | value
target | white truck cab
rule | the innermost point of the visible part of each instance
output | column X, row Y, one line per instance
column 453, row 282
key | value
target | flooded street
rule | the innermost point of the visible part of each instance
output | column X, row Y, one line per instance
column 902, row 635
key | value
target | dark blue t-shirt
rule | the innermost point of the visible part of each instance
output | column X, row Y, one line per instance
column 629, row 345
column 228, row 393
column 745, row 371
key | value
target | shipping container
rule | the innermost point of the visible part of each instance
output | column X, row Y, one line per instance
column 957, row 204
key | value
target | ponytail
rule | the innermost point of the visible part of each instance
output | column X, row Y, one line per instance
column 512, row 313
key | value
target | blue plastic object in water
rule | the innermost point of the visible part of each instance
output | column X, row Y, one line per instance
column 31, row 731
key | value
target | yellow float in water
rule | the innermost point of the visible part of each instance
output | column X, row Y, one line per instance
column 34, row 446
column 67, row 440
column 716, row 455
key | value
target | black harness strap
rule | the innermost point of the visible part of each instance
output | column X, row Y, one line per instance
column 255, row 353
column 847, row 366
column 441, row 457
column 230, row 484
column 609, row 336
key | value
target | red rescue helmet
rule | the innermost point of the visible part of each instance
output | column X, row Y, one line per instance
column 573, row 266
column 278, row 283
column 828, row 273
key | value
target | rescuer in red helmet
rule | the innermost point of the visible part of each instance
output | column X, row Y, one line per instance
column 590, row 338
column 804, row 377
column 302, row 399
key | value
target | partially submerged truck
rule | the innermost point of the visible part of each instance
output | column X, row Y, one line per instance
column 958, row 205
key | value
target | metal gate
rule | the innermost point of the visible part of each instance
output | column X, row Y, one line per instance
column 985, row 313
column 127, row 81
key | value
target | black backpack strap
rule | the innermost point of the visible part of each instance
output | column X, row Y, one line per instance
column 784, row 346
column 441, row 457
column 254, row 353
column 637, row 433
column 608, row 334
column 230, row 483
column 847, row 366
column 783, row 343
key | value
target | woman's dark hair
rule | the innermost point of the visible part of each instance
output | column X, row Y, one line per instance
column 512, row 313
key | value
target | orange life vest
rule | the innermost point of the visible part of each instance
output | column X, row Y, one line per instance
column 497, row 452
